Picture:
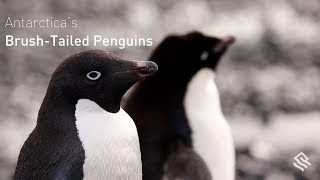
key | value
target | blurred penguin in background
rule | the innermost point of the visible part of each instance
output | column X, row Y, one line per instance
column 178, row 114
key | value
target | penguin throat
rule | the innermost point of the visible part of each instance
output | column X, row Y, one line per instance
column 202, row 91
column 110, row 141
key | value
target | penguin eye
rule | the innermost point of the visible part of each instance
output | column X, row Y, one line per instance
column 204, row 55
column 93, row 75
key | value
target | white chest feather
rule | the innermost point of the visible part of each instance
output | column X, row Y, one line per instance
column 110, row 141
column 211, row 134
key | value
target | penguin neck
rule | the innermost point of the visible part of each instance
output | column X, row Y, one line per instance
column 56, row 103
column 203, row 92
column 55, row 108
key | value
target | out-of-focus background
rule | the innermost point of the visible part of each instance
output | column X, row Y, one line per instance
column 269, row 80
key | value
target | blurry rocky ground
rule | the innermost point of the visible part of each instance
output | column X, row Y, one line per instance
column 269, row 80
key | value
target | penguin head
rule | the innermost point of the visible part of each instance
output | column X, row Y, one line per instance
column 98, row 76
column 190, row 52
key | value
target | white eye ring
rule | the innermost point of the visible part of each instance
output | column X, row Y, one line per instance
column 93, row 75
column 204, row 55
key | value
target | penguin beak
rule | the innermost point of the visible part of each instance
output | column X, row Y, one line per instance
column 136, row 70
column 224, row 44
column 145, row 68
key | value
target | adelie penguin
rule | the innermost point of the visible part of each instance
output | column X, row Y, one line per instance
column 81, row 131
column 177, row 112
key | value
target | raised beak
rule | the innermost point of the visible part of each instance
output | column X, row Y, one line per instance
column 224, row 43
